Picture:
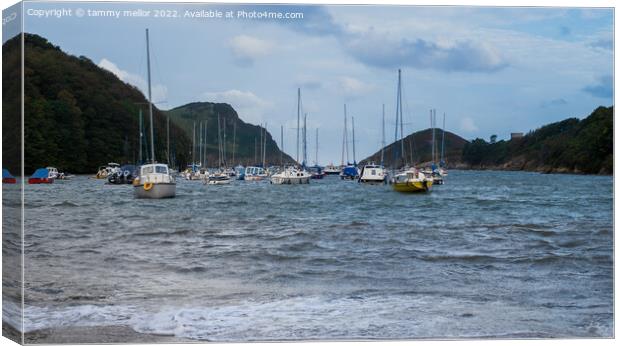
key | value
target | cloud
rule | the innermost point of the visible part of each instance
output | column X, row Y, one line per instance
column 464, row 55
column 353, row 87
column 249, row 106
column 553, row 103
column 604, row 43
column 604, row 88
column 467, row 125
column 159, row 92
column 248, row 49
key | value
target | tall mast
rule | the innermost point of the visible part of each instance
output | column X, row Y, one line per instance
column 298, row 115
column 281, row 144
column 234, row 142
column 200, row 142
column 141, row 137
column 346, row 133
column 255, row 161
column 148, row 67
column 400, row 99
column 204, row 155
column 224, row 144
column 265, row 146
column 353, row 129
column 219, row 142
column 168, row 138
column 443, row 137
column 344, row 136
column 305, row 149
column 383, row 135
column 260, row 144
column 316, row 154
column 194, row 145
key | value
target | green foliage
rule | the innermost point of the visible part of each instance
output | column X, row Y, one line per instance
column 570, row 145
column 77, row 115
column 241, row 138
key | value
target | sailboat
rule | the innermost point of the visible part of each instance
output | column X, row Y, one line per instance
column 220, row 177
column 410, row 179
column 316, row 171
column 373, row 173
column 295, row 175
column 350, row 171
column 155, row 180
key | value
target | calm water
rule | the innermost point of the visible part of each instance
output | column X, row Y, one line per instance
column 500, row 254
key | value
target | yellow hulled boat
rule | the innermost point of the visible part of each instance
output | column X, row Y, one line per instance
column 412, row 180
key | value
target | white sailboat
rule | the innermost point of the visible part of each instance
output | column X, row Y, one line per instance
column 294, row 175
column 220, row 177
column 155, row 180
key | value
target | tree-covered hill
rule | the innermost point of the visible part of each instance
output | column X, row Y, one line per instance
column 77, row 115
column 418, row 149
column 241, row 139
column 571, row 145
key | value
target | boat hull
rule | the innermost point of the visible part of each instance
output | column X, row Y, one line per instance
column 413, row 186
column 157, row 191
column 372, row 181
column 290, row 180
column 40, row 181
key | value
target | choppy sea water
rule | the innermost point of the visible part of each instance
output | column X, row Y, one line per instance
column 489, row 254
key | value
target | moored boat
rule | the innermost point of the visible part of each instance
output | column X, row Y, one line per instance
column 332, row 170
column 105, row 171
column 412, row 180
column 372, row 174
column 125, row 175
column 7, row 177
column 41, row 176
column 291, row 176
column 254, row 173
column 154, row 181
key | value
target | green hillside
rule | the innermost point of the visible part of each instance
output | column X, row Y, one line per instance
column 571, row 145
column 241, row 137
column 77, row 115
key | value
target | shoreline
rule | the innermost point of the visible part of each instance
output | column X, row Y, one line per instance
column 91, row 335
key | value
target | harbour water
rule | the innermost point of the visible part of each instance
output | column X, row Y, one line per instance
column 489, row 254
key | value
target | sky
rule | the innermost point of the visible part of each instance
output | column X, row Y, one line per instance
column 491, row 70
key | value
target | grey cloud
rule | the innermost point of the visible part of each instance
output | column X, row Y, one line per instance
column 604, row 88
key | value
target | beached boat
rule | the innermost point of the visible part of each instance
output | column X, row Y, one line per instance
column 155, row 180
column 7, row 177
column 412, row 180
column 372, row 174
column 41, row 176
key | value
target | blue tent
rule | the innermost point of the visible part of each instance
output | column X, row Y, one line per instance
column 40, row 173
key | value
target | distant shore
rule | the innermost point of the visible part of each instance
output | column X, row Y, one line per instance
column 535, row 169
column 89, row 335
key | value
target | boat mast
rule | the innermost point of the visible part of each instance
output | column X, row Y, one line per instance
column 265, row 146
column 383, row 136
column 353, row 129
column 398, row 105
column 141, row 137
column 194, row 146
column 400, row 99
column 168, row 138
column 443, row 137
column 219, row 142
column 346, row 133
column 204, row 149
column 234, row 142
column 344, row 136
column 281, row 144
column 298, row 115
column 305, row 148
column 224, row 143
column 148, row 67
column 316, row 154
column 432, row 138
